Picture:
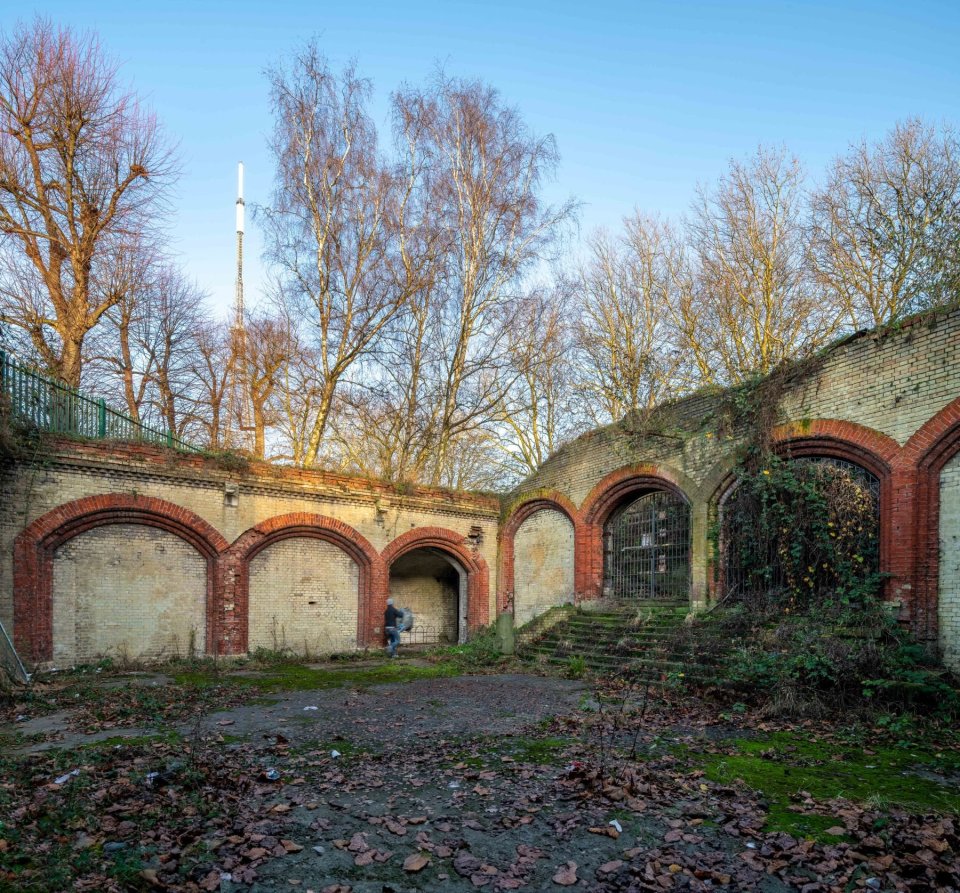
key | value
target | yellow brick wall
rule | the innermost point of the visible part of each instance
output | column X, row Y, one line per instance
column 543, row 564
column 127, row 590
column 303, row 597
column 949, row 603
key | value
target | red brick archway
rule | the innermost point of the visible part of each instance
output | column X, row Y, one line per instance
column 34, row 549
column 608, row 495
column 931, row 447
column 457, row 547
column 878, row 454
column 834, row 438
column 236, row 569
column 548, row 500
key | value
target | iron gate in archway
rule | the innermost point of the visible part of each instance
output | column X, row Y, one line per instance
column 647, row 549
column 746, row 544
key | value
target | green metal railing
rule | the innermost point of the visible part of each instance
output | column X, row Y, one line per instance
column 49, row 405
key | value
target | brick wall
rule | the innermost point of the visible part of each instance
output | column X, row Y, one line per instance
column 303, row 597
column 230, row 527
column 127, row 590
column 888, row 402
column 252, row 544
column 949, row 602
column 543, row 562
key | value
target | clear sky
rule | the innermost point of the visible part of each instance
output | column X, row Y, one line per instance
column 646, row 99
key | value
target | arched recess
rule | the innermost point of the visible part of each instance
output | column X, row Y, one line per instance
column 933, row 453
column 544, row 501
column 301, row 525
column 611, row 494
column 876, row 452
column 35, row 547
column 828, row 439
column 460, row 550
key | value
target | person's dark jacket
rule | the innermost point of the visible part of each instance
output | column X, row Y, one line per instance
column 391, row 617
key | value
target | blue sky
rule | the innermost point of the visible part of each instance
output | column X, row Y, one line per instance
column 645, row 99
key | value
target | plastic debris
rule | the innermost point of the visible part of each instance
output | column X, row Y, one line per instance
column 873, row 883
column 63, row 779
column 319, row 850
column 311, row 708
column 271, row 774
column 21, row 717
column 617, row 826
column 334, row 753
column 751, row 845
column 150, row 777
column 453, row 785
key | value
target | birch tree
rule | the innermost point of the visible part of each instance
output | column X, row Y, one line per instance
column 887, row 224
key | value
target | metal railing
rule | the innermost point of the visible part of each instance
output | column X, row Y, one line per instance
column 41, row 402
column 422, row 635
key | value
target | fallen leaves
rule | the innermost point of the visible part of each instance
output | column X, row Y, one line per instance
column 416, row 862
column 566, row 875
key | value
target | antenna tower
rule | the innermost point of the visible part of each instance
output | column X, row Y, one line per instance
column 240, row 417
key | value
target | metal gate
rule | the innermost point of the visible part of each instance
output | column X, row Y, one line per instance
column 736, row 576
column 648, row 549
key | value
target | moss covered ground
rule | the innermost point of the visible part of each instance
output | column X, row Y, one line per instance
column 787, row 766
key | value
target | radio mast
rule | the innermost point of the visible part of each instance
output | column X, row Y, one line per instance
column 240, row 417
column 240, row 215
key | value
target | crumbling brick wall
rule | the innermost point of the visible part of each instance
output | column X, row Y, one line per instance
column 886, row 401
column 176, row 549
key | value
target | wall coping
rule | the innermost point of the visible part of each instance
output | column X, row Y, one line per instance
column 143, row 461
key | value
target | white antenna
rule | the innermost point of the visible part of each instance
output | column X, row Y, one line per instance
column 239, row 412
column 240, row 222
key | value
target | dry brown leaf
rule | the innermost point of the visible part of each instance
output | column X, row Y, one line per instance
column 416, row 862
column 566, row 875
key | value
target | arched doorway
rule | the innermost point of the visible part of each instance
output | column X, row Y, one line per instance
column 433, row 584
column 647, row 548
column 751, row 550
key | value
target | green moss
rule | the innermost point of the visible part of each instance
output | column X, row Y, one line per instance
column 537, row 750
column 169, row 737
column 780, row 765
column 299, row 677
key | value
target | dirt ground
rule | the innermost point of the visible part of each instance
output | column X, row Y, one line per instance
column 461, row 782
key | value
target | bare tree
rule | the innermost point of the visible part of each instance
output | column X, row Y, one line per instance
column 625, row 338
column 887, row 224
column 268, row 347
column 537, row 415
column 485, row 172
column 211, row 369
column 749, row 300
column 143, row 351
column 329, row 229
column 82, row 170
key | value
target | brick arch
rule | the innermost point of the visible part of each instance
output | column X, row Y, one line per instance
column 835, row 438
column 608, row 495
column 34, row 549
column 544, row 500
column 876, row 452
column 613, row 490
column 305, row 525
column 457, row 547
column 864, row 446
column 930, row 448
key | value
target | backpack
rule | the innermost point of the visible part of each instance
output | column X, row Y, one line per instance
column 405, row 623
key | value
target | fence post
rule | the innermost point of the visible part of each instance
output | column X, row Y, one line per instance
column 101, row 418
column 169, row 437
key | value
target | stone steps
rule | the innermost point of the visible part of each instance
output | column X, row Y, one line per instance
column 634, row 639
